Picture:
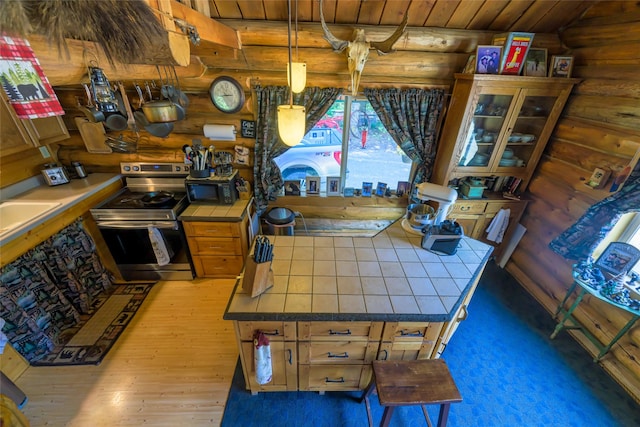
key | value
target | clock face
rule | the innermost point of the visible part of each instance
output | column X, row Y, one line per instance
column 226, row 94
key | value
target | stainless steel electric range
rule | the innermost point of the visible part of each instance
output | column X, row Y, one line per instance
column 140, row 223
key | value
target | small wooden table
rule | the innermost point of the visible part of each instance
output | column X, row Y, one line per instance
column 567, row 315
column 412, row 382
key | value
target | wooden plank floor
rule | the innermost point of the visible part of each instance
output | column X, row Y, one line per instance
column 172, row 365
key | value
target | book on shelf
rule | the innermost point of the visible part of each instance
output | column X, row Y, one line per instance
column 515, row 46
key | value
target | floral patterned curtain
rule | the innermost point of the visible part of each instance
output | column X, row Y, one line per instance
column 267, row 177
column 578, row 241
column 411, row 117
column 44, row 291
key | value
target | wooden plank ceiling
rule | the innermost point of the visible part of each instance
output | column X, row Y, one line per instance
column 540, row 16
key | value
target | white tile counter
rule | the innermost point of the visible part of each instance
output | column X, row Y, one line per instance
column 385, row 278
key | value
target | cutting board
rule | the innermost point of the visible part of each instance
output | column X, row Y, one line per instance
column 93, row 135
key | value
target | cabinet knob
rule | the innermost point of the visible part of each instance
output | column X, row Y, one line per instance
column 465, row 208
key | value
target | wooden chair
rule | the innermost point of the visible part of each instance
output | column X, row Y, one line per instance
column 412, row 382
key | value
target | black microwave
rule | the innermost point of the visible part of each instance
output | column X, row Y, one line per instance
column 215, row 190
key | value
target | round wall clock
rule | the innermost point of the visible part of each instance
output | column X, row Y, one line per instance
column 226, row 94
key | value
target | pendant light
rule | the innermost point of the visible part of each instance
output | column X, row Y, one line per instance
column 296, row 69
column 291, row 118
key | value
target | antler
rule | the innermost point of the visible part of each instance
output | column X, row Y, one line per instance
column 386, row 46
column 337, row 44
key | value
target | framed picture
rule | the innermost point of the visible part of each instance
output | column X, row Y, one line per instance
column 536, row 63
column 381, row 189
column 402, row 188
column 333, row 186
column 292, row 187
column 514, row 54
column 561, row 66
column 618, row 258
column 488, row 59
column 313, row 185
column 367, row 188
column 348, row 192
column 470, row 68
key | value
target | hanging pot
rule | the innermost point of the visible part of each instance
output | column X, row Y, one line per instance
column 159, row 111
column 116, row 121
column 160, row 130
column 90, row 111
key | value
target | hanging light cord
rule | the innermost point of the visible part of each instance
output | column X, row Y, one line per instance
column 296, row 32
column 290, row 65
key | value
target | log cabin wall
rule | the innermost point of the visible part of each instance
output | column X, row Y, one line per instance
column 600, row 128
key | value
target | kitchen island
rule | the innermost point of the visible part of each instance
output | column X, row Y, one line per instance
column 338, row 303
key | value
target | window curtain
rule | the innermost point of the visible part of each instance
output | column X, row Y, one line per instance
column 267, row 177
column 411, row 117
column 578, row 241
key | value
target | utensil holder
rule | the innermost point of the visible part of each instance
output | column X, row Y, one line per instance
column 199, row 173
column 258, row 277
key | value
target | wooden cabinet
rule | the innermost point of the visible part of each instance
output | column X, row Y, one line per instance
column 498, row 126
column 496, row 130
column 475, row 216
column 218, row 248
column 408, row 340
column 337, row 356
column 20, row 134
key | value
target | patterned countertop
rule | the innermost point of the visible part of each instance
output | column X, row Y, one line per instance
column 385, row 278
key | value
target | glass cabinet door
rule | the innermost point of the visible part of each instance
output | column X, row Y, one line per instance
column 485, row 130
column 529, row 124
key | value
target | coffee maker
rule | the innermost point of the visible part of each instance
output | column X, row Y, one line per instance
column 441, row 236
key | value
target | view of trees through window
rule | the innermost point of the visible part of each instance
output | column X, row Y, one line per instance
column 369, row 153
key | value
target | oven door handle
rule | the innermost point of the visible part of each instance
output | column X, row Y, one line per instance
column 172, row 225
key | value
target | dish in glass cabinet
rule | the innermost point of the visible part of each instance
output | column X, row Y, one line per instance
column 515, row 137
column 527, row 137
column 507, row 162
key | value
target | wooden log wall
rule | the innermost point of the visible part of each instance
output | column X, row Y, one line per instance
column 600, row 127
column 427, row 57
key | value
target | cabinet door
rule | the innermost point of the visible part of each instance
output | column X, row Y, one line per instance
column 13, row 136
column 490, row 112
column 284, row 363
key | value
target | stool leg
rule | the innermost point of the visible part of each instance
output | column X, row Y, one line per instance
column 365, row 397
column 386, row 416
column 444, row 414
column 426, row 415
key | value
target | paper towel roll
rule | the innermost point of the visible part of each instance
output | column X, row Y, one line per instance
column 220, row 132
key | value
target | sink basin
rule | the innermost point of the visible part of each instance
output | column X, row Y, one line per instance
column 15, row 214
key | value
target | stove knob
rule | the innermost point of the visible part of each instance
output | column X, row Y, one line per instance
column 136, row 168
column 177, row 168
column 127, row 168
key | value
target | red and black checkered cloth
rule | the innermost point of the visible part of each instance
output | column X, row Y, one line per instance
column 23, row 80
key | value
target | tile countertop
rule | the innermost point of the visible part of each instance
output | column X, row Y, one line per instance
column 68, row 195
column 385, row 278
column 205, row 212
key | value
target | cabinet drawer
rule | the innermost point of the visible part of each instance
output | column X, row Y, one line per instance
column 215, row 246
column 406, row 331
column 513, row 206
column 333, row 377
column 214, row 229
column 213, row 266
column 340, row 331
column 469, row 207
column 345, row 352
column 275, row 331
column 406, row 350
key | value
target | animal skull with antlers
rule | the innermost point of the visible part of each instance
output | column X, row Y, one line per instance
column 358, row 48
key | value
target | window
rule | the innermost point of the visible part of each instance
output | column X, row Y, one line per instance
column 367, row 154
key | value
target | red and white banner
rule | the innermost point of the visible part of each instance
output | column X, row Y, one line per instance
column 23, row 80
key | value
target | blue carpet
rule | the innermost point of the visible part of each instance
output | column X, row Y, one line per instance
column 507, row 369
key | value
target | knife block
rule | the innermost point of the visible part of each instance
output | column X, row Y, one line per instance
column 258, row 277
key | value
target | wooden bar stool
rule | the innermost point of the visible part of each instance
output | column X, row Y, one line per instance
column 412, row 382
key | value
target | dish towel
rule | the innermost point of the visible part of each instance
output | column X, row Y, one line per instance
column 495, row 231
column 159, row 246
column 262, row 358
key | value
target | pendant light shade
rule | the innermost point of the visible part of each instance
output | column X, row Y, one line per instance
column 291, row 123
column 299, row 71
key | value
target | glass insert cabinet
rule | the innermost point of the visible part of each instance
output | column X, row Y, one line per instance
column 498, row 126
column 494, row 134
